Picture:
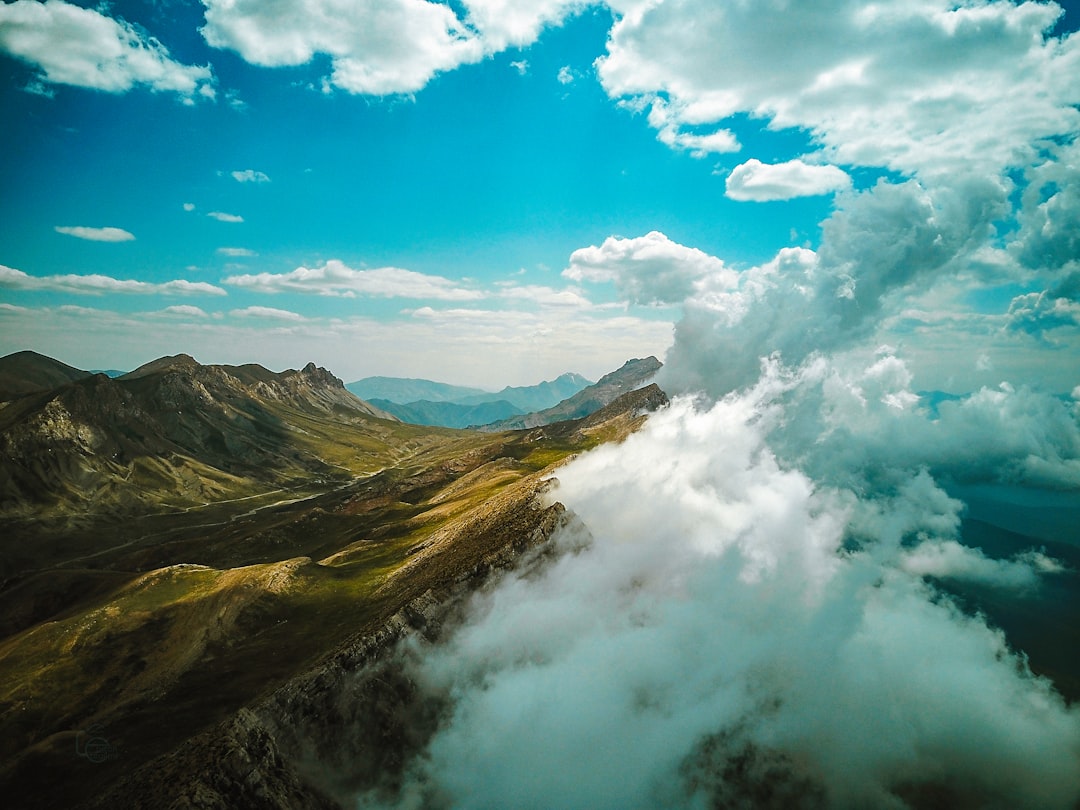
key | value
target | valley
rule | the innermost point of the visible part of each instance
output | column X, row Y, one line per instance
column 182, row 541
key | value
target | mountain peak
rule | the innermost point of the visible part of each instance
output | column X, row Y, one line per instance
column 28, row 372
column 177, row 361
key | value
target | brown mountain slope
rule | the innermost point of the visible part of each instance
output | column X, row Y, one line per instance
column 150, row 635
column 172, row 431
column 28, row 372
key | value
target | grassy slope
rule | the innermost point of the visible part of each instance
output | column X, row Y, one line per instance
column 156, row 627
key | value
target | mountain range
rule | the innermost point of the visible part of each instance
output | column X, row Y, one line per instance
column 424, row 402
column 195, row 558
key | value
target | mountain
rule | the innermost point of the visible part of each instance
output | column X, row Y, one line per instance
column 534, row 397
column 171, row 430
column 196, row 563
column 28, row 372
column 403, row 390
column 420, row 395
column 448, row 414
column 633, row 374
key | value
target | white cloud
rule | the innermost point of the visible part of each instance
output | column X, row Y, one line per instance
column 505, row 23
column 668, row 122
column 236, row 252
column 706, row 636
column 522, row 67
column 96, row 234
column 949, row 560
column 85, row 48
column 545, row 296
column 185, row 310
column 223, row 217
column 97, row 284
column 336, row 278
column 189, row 207
column 760, row 182
column 267, row 312
column 923, row 87
column 250, row 176
column 376, row 48
column 565, row 75
column 650, row 269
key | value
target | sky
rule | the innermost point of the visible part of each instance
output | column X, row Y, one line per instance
column 813, row 212
column 492, row 192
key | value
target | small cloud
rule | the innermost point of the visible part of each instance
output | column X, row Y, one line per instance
column 250, row 176
column 754, row 181
column 96, row 234
column 189, row 206
column 236, row 252
column 267, row 312
column 565, row 75
column 36, row 87
column 521, row 67
column 223, row 217
column 185, row 310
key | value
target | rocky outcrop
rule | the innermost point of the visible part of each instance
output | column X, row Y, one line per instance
column 352, row 721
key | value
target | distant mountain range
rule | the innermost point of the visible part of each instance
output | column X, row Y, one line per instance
column 569, row 396
column 632, row 375
column 425, row 402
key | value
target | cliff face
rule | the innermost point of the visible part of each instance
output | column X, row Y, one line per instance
column 351, row 722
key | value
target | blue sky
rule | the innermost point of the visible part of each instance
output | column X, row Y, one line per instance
column 494, row 193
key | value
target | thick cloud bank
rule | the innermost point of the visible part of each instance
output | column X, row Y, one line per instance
column 733, row 633
column 756, row 612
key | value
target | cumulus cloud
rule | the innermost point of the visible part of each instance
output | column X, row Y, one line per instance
column 250, row 176
column 1049, row 237
column 927, row 88
column 220, row 216
column 189, row 207
column 376, row 48
column 336, row 278
column 760, row 182
column 96, row 234
column 565, row 75
column 506, row 23
column 1042, row 312
column 650, row 269
column 86, row 48
column 711, row 635
column 96, row 284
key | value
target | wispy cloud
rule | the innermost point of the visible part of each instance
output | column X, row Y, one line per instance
column 97, row 284
column 269, row 313
column 336, row 278
column 96, row 234
column 223, row 217
column 236, row 252
column 250, row 176
column 86, row 48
